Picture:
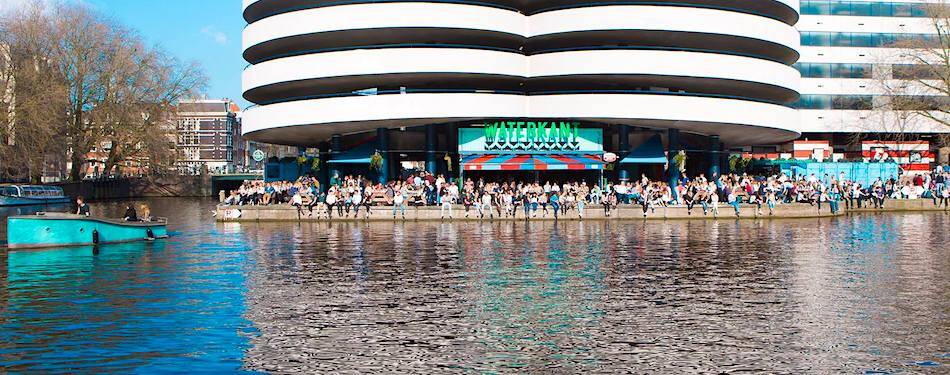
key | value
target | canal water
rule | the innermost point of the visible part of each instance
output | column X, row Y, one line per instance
column 856, row 294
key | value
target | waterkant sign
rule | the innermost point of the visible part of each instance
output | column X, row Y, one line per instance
column 531, row 137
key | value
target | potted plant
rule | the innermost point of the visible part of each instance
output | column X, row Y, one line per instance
column 315, row 165
column 376, row 162
column 679, row 160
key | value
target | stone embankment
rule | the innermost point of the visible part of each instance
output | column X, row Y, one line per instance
column 125, row 188
column 629, row 212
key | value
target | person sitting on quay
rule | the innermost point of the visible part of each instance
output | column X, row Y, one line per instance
column 507, row 198
column 399, row 200
column 446, row 204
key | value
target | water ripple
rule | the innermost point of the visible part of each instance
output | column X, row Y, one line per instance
column 855, row 294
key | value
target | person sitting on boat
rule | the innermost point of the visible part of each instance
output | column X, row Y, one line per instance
column 81, row 207
column 130, row 214
column 146, row 213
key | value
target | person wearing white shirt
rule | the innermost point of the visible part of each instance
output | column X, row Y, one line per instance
column 356, row 200
column 331, row 200
column 446, row 204
column 486, row 206
column 399, row 201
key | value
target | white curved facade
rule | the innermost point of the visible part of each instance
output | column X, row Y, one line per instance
column 699, row 66
column 665, row 18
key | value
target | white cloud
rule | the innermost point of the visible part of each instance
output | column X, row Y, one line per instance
column 216, row 35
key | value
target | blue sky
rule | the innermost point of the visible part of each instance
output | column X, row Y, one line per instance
column 208, row 31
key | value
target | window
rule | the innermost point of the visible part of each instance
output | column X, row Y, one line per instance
column 910, row 71
column 829, row 39
column 850, row 102
column 853, row 102
column 827, row 70
column 863, row 8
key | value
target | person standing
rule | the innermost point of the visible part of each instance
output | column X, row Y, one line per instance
column 770, row 201
column 526, row 204
column 833, row 197
column 534, row 205
column 580, row 201
column 944, row 197
column 714, row 201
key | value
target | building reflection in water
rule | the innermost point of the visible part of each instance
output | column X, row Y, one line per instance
column 824, row 295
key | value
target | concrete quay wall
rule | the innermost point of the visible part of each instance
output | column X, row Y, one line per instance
column 384, row 213
column 629, row 212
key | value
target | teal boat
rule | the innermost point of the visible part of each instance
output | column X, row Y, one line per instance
column 59, row 229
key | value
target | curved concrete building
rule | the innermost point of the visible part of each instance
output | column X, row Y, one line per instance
column 707, row 68
column 711, row 67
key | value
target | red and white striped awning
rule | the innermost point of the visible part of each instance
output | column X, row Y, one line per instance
column 527, row 162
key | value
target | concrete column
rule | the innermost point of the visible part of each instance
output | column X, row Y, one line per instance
column 301, row 170
column 624, row 149
column 382, row 145
column 715, row 157
column 431, row 149
column 336, row 148
column 674, row 147
column 452, row 140
column 324, row 175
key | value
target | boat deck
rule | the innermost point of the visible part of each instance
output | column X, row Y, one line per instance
column 65, row 216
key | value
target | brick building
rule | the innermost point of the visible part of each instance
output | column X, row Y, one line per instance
column 209, row 135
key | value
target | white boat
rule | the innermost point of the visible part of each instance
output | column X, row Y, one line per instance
column 27, row 195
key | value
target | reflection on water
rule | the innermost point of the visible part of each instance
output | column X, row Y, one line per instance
column 866, row 293
column 150, row 307
column 853, row 294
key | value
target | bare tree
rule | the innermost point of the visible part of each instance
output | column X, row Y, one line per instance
column 33, row 96
column 99, row 83
column 139, row 104
column 920, row 83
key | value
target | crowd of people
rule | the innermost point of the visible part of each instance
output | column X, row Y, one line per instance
column 355, row 196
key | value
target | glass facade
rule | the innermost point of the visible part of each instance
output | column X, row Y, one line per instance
column 823, row 70
column 864, row 102
column 910, row 71
column 832, row 39
column 862, row 8
column 853, row 102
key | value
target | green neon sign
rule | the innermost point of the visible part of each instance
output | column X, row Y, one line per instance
column 532, row 136
column 523, row 136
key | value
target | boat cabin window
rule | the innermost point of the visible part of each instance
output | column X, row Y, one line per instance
column 41, row 191
column 8, row 190
column 29, row 191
